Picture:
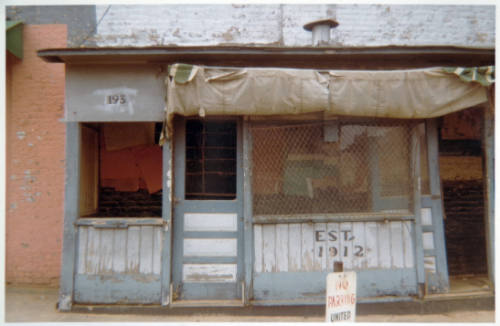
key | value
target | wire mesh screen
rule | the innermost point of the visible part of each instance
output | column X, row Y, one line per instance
column 330, row 167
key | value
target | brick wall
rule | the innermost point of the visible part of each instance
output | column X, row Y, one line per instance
column 35, row 160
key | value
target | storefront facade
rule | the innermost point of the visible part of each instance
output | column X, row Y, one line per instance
column 254, row 181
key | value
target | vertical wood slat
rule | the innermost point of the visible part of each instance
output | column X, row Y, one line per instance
column 89, row 171
column 82, row 249
column 346, row 244
column 408, row 249
column 93, row 251
column 282, row 248
column 133, row 246
column 269, row 247
column 359, row 247
column 371, row 241
column 384, row 245
column 120, row 250
column 320, row 237
column 397, row 244
column 294, row 247
column 146, row 250
column 307, row 244
column 257, row 235
column 333, row 245
column 157, row 250
column 106, row 251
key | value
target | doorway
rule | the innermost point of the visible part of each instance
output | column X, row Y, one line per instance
column 462, row 177
column 208, row 198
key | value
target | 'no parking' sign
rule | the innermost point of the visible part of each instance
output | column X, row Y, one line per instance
column 341, row 297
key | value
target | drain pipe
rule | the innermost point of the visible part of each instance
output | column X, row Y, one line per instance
column 321, row 30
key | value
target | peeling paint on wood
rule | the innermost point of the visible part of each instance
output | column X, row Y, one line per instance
column 210, row 247
column 294, row 248
column 82, row 253
column 210, row 222
column 307, row 247
column 201, row 273
column 269, row 250
column 133, row 246
column 136, row 250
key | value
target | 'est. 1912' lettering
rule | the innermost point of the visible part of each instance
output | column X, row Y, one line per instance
column 116, row 99
column 320, row 236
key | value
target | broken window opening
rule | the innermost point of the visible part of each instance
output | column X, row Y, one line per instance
column 120, row 170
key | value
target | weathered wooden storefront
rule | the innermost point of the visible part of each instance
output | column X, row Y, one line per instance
column 198, row 185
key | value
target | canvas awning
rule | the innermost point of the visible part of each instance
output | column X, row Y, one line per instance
column 405, row 94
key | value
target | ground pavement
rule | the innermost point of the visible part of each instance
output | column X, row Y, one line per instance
column 38, row 304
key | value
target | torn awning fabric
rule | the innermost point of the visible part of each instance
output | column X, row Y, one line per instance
column 404, row 94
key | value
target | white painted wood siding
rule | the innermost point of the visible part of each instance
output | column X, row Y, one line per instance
column 209, row 273
column 210, row 247
column 206, row 222
column 315, row 247
column 135, row 250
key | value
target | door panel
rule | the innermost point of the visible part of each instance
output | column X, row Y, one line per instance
column 208, row 246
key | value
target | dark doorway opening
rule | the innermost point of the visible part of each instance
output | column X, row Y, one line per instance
column 210, row 159
column 462, row 177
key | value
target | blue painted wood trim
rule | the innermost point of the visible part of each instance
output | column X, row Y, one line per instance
column 305, row 302
column 166, row 254
column 489, row 185
column 375, row 179
column 209, row 260
column 211, row 291
column 210, row 234
column 191, row 291
column 178, row 195
column 417, row 234
column 327, row 218
column 240, row 195
column 247, row 212
column 441, row 283
column 71, row 212
column 118, row 222
column 118, row 288
column 311, row 286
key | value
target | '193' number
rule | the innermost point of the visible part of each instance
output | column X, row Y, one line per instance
column 116, row 99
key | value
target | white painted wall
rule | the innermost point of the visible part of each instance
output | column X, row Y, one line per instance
column 281, row 25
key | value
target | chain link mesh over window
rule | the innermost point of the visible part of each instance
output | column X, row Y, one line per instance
column 329, row 167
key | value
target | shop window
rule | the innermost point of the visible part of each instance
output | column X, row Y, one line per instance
column 210, row 159
column 330, row 167
column 120, row 170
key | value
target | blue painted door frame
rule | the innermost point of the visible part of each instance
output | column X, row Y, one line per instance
column 204, row 291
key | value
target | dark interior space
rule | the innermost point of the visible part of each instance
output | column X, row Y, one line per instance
column 464, row 227
column 462, row 185
column 121, row 170
column 210, row 159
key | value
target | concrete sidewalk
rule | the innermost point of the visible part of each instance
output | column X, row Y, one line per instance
column 38, row 304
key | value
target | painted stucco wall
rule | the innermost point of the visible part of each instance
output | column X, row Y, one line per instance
column 281, row 25
column 35, row 160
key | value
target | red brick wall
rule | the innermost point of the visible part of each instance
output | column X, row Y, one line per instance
column 35, row 160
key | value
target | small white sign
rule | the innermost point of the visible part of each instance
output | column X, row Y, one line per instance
column 341, row 297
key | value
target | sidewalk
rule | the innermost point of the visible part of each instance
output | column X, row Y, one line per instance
column 38, row 304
